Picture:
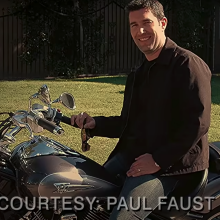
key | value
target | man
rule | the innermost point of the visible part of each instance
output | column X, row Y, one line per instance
column 165, row 118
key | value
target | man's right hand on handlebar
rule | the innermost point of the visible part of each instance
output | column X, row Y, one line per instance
column 79, row 120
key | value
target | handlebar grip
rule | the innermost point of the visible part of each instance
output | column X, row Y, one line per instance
column 67, row 120
column 50, row 126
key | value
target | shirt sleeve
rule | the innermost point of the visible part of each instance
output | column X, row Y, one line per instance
column 192, row 86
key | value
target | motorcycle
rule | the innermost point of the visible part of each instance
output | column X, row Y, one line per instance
column 38, row 175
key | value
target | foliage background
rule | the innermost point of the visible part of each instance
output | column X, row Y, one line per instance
column 70, row 32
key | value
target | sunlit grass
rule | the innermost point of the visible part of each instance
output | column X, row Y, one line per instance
column 96, row 96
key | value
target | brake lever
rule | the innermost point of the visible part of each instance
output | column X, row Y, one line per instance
column 48, row 112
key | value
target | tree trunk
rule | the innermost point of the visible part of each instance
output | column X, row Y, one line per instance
column 76, row 6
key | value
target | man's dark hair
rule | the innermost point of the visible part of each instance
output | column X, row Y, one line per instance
column 153, row 5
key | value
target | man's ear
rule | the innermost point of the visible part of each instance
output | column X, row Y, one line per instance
column 164, row 22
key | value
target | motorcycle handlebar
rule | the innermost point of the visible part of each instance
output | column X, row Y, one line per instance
column 50, row 126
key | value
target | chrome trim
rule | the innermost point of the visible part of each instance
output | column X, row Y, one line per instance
column 194, row 215
column 68, row 217
column 58, row 130
column 216, row 195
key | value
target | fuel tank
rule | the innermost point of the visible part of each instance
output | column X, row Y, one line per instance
column 46, row 168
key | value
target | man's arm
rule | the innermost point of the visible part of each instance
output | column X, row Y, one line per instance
column 113, row 126
column 194, row 93
column 110, row 127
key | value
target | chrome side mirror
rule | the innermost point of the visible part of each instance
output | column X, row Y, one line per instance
column 44, row 95
column 67, row 100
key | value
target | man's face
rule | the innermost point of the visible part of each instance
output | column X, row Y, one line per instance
column 146, row 30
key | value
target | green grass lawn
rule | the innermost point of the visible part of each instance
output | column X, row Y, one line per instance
column 96, row 96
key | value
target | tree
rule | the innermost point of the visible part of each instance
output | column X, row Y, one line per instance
column 63, row 34
column 189, row 23
column 69, row 34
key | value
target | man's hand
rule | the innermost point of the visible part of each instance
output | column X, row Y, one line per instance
column 79, row 119
column 144, row 164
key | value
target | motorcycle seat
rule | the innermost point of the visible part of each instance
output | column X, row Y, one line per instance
column 192, row 186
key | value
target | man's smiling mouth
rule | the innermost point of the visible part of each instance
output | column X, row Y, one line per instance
column 144, row 39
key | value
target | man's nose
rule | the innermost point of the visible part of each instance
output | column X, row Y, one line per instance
column 142, row 30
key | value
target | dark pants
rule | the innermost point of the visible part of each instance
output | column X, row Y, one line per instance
column 135, row 190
